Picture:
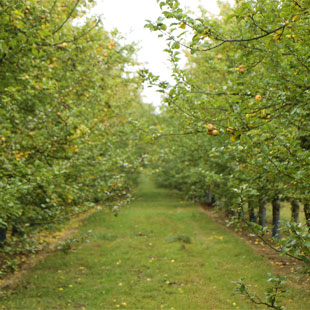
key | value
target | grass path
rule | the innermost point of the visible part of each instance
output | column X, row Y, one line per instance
column 141, row 260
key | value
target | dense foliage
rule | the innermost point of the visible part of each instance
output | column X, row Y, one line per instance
column 67, row 105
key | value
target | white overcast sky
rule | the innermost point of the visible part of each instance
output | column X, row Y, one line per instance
column 129, row 17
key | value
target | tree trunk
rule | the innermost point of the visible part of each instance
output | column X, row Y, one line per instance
column 307, row 213
column 209, row 198
column 213, row 200
column 276, row 217
column 240, row 211
column 262, row 217
column 295, row 211
column 2, row 234
column 252, row 214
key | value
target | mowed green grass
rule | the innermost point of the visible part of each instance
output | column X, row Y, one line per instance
column 139, row 260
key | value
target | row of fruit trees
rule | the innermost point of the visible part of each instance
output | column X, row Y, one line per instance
column 235, row 130
column 68, row 136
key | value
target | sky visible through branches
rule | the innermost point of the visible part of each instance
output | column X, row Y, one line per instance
column 129, row 17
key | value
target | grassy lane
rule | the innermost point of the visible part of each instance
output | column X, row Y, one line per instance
column 141, row 260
